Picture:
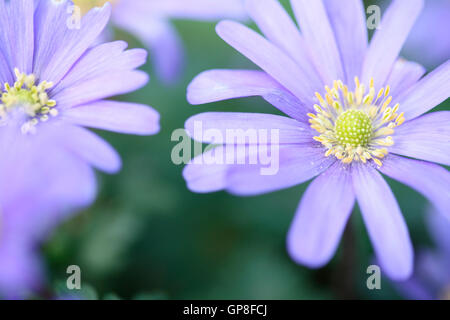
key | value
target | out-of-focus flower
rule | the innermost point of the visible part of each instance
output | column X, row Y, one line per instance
column 149, row 20
column 428, row 41
column 346, row 134
column 431, row 278
column 54, row 83
column 34, row 199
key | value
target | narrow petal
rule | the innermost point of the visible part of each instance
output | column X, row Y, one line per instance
column 384, row 222
column 115, row 116
column 404, row 75
column 321, row 217
column 389, row 39
column 5, row 70
column 22, row 34
column 425, row 138
column 316, row 28
column 427, row 93
column 290, row 165
column 273, row 20
column 217, row 85
column 348, row 20
column 91, row 148
column 267, row 56
column 430, row 179
column 101, row 87
column 102, row 59
column 59, row 47
column 231, row 168
column 246, row 128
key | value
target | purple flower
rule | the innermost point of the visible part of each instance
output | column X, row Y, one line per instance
column 53, row 84
column 36, row 196
column 431, row 278
column 345, row 134
column 425, row 43
column 149, row 20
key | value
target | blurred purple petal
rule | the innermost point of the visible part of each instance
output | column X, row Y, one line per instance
column 412, row 289
column 204, row 10
column 439, row 226
column 425, row 43
column 21, row 272
column 167, row 53
column 91, row 148
column 321, row 217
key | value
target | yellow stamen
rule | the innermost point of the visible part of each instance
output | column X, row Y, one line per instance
column 31, row 99
column 355, row 125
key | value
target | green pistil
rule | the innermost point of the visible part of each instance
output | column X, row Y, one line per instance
column 354, row 128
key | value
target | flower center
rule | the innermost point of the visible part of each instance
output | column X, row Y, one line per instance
column 355, row 125
column 29, row 98
column 86, row 5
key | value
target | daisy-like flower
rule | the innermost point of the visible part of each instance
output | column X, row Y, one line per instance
column 149, row 20
column 431, row 278
column 425, row 44
column 54, row 83
column 355, row 110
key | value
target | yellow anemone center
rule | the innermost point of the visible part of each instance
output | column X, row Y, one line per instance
column 355, row 125
column 86, row 5
column 31, row 99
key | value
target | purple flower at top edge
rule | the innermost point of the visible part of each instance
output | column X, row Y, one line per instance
column 431, row 278
column 428, row 42
column 54, row 83
column 149, row 20
column 369, row 119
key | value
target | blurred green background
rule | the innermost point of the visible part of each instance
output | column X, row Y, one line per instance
column 148, row 236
